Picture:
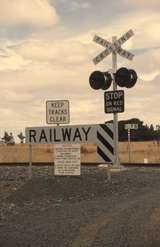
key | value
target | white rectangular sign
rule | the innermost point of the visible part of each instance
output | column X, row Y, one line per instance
column 57, row 112
column 101, row 41
column 124, row 37
column 62, row 134
column 125, row 53
column 67, row 160
column 101, row 56
column 100, row 134
column 131, row 126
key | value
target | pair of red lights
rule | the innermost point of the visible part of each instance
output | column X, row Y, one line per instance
column 123, row 77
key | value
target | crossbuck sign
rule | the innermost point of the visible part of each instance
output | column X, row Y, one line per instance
column 113, row 47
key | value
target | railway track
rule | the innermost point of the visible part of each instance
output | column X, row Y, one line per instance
column 128, row 165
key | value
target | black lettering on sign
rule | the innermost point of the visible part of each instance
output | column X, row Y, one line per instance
column 55, row 136
column 97, row 39
column 86, row 132
column 43, row 136
column 110, row 48
column 96, row 60
column 106, row 52
column 66, row 134
column 50, row 135
column 102, row 55
column 32, row 135
column 77, row 135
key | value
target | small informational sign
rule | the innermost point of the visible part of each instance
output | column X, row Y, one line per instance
column 57, row 112
column 114, row 101
column 131, row 126
column 67, row 160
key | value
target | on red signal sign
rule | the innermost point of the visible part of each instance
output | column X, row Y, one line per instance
column 114, row 101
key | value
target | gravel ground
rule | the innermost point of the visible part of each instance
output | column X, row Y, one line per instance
column 80, row 211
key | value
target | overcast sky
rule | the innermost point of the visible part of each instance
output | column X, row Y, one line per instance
column 46, row 53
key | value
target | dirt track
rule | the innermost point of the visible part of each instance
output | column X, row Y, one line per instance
column 79, row 212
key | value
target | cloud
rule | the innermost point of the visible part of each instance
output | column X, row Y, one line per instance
column 80, row 5
column 64, row 52
column 36, row 13
column 141, row 51
column 143, row 100
column 12, row 61
column 144, row 3
column 50, row 66
column 60, row 69
column 75, row 4
column 150, row 76
column 17, row 96
column 144, row 44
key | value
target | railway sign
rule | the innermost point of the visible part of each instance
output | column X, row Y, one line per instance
column 113, row 47
column 57, row 112
column 61, row 134
column 100, row 134
column 114, row 101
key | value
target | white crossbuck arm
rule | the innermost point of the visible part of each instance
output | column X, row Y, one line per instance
column 116, row 46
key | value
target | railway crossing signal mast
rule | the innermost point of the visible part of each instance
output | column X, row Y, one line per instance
column 122, row 77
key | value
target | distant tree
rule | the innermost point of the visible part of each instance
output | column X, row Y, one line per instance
column 157, row 133
column 5, row 138
column 1, row 141
column 8, row 138
column 21, row 137
column 151, row 127
column 143, row 133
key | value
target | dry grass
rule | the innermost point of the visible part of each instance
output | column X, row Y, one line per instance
column 45, row 152
column 140, row 151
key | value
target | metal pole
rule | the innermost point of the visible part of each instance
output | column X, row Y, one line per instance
column 115, row 115
column 129, row 146
column 30, row 161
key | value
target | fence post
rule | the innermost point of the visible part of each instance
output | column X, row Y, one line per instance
column 30, row 161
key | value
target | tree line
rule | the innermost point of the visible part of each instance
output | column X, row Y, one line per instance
column 9, row 139
column 144, row 132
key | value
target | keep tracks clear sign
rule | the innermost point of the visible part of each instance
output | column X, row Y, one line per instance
column 57, row 112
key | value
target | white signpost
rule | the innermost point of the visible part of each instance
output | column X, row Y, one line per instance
column 57, row 112
column 114, row 48
column 128, row 127
column 67, row 159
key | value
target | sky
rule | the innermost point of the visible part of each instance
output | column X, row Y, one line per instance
column 46, row 53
